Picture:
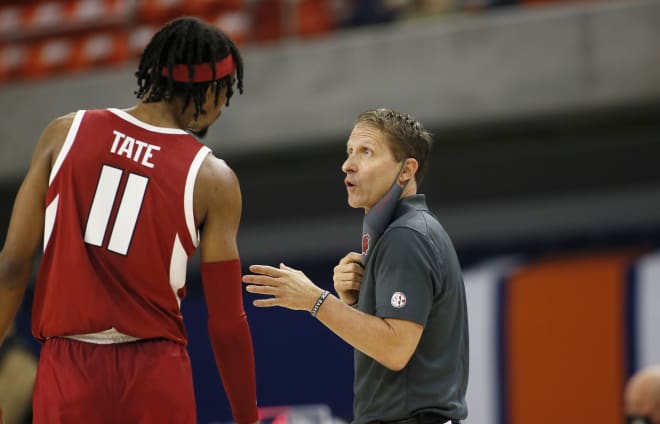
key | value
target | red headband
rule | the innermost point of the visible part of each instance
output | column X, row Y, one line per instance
column 202, row 72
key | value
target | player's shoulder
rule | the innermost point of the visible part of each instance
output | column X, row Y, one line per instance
column 217, row 192
column 54, row 134
column 216, row 168
column 61, row 123
column 217, row 177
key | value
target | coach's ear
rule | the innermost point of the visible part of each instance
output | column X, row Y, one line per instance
column 408, row 171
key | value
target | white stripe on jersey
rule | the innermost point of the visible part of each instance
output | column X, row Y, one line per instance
column 109, row 336
column 178, row 266
column 189, row 191
column 49, row 223
column 127, row 215
column 68, row 142
column 102, row 204
column 133, row 120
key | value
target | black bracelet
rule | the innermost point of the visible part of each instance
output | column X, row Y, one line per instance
column 319, row 302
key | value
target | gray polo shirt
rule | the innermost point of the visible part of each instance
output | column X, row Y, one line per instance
column 413, row 274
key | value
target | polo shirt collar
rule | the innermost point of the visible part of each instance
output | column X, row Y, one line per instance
column 415, row 202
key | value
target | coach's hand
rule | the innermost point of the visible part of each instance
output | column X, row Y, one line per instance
column 288, row 287
column 347, row 278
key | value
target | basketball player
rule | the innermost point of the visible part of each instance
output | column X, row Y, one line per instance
column 121, row 199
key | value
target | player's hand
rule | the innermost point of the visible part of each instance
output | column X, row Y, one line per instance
column 288, row 287
column 347, row 278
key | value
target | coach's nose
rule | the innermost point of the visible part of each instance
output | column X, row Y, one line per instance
column 349, row 166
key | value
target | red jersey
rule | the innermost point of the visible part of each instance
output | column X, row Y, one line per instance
column 119, row 229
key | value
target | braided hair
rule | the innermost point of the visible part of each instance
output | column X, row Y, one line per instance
column 406, row 137
column 186, row 41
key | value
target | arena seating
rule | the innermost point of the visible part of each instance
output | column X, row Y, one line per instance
column 46, row 38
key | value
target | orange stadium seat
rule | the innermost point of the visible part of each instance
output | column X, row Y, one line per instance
column 49, row 18
column 235, row 23
column 102, row 48
column 202, row 7
column 267, row 21
column 43, row 16
column 159, row 11
column 13, row 58
column 10, row 21
column 99, row 10
column 138, row 39
column 48, row 57
column 234, row 4
column 313, row 17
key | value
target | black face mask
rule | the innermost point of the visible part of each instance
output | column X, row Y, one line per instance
column 380, row 216
column 638, row 419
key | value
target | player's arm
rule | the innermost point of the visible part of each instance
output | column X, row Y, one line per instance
column 218, row 203
column 27, row 222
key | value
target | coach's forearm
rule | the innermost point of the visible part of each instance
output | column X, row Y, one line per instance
column 371, row 335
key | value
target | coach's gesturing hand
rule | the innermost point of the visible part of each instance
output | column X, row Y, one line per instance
column 288, row 287
column 347, row 278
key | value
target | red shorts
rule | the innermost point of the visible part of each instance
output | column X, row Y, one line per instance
column 140, row 382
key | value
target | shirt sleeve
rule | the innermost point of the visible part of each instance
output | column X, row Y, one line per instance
column 404, row 276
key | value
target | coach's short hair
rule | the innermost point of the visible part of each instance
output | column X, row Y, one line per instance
column 405, row 136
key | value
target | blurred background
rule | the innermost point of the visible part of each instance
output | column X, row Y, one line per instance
column 546, row 118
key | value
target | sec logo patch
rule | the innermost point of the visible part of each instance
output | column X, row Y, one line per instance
column 398, row 300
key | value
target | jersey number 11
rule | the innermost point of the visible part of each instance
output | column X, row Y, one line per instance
column 127, row 214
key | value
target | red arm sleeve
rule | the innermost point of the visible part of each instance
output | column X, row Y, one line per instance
column 230, row 337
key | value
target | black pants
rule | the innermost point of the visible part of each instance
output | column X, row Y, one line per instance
column 420, row 418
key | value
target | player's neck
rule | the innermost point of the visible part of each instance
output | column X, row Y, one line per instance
column 160, row 114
